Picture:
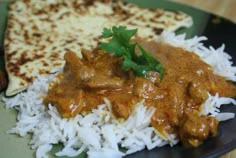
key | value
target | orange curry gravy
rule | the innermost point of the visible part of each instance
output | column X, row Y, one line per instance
column 177, row 97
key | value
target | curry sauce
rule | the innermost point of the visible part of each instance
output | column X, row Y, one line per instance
column 177, row 97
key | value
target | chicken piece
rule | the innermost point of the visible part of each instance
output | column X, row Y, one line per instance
column 122, row 104
column 105, row 82
column 213, row 123
column 144, row 88
column 194, row 129
column 87, row 55
column 72, row 59
column 67, row 103
column 85, row 73
column 197, row 92
column 77, row 68
column 120, row 111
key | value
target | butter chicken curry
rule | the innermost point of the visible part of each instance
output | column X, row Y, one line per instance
column 177, row 97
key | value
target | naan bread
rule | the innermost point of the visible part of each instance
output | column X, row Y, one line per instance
column 39, row 32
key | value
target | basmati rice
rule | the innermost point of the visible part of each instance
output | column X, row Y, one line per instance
column 99, row 133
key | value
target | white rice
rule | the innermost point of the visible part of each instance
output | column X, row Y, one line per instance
column 99, row 133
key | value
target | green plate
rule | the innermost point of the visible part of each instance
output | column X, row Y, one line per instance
column 224, row 31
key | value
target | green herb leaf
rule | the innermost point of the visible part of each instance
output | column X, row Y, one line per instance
column 106, row 33
column 120, row 45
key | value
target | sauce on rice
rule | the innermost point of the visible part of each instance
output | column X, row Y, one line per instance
column 177, row 97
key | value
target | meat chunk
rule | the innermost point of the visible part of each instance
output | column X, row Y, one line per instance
column 73, row 60
column 144, row 88
column 197, row 92
column 122, row 104
column 104, row 82
column 120, row 111
column 67, row 104
column 213, row 123
column 82, row 72
column 194, row 128
column 87, row 55
column 85, row 73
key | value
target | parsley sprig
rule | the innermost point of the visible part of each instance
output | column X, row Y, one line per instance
column 119, row 45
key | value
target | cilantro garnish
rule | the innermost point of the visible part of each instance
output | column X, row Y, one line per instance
column 119, row 45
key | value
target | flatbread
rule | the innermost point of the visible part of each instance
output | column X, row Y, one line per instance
column 39, row 32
